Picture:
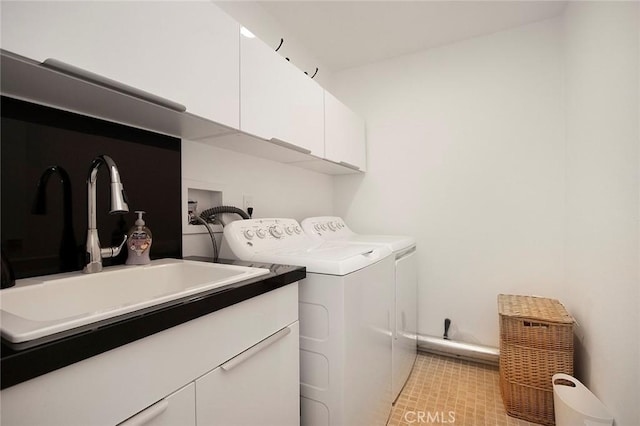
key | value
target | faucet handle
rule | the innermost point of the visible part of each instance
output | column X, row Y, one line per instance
column 112, row 251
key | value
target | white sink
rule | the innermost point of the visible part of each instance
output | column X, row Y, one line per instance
column 41, row 306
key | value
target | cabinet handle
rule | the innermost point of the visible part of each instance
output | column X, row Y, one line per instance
column 284, row 144
column 263, row 344
column 146, row 415
column 100, row 80
column 349, row 165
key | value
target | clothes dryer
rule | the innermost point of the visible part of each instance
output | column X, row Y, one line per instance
column 345, row 318
column 405, row 312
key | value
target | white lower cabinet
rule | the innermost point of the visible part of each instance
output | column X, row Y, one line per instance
column 238, row 365
column 259, row 386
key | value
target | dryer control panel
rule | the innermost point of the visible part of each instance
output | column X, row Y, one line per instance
column 326, row 227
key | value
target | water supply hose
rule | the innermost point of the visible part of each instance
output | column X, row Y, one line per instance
column 206, row 214
column 211, row 234
column 203, row 219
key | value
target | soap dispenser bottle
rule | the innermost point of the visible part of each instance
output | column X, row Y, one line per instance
column 139, row 242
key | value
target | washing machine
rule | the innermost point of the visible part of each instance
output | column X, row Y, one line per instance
column 345, row 318
column 405, row 311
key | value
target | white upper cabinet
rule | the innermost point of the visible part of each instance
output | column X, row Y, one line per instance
column 169, row 56
column 278, row 101
column 186, row 52
column 345, row 140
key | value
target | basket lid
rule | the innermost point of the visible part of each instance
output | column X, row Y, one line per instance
column 531, row 307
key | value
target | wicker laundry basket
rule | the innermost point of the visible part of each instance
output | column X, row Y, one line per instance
column 536, row 342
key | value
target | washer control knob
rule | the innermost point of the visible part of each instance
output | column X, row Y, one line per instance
column 288, row 229
column 297, row 229
column 323, row 226
column 316, row 226
column 261, row 233
column 332, row 226
column 276, row 231
column 249, row 234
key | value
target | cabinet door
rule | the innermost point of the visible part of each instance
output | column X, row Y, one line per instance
column 187, row 52
column 344, row 134
column 179, row 408
column 259, row 386
column 277, row 100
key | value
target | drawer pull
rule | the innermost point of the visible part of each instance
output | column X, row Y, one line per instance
column 100, row 80
column 146, row 415
column 284, row 144
column 263, row 344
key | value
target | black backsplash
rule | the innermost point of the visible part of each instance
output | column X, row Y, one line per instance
column 33, row 139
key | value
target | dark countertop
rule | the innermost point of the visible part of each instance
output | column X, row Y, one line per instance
column 24, row 361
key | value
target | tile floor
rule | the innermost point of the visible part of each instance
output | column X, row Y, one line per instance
column 443, row 390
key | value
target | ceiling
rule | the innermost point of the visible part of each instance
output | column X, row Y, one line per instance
column 345, row 34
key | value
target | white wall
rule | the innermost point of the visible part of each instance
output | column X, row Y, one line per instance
column 465, row 151
column 602, row 70
column 278, row 190
column 514, row 160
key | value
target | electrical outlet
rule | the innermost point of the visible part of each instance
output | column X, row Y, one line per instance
column 247, row 201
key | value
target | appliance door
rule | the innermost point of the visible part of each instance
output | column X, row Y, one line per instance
column 404, row 348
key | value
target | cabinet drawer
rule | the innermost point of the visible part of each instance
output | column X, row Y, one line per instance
column 260, row 385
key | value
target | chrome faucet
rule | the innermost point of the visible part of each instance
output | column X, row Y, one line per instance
column 94, row 252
